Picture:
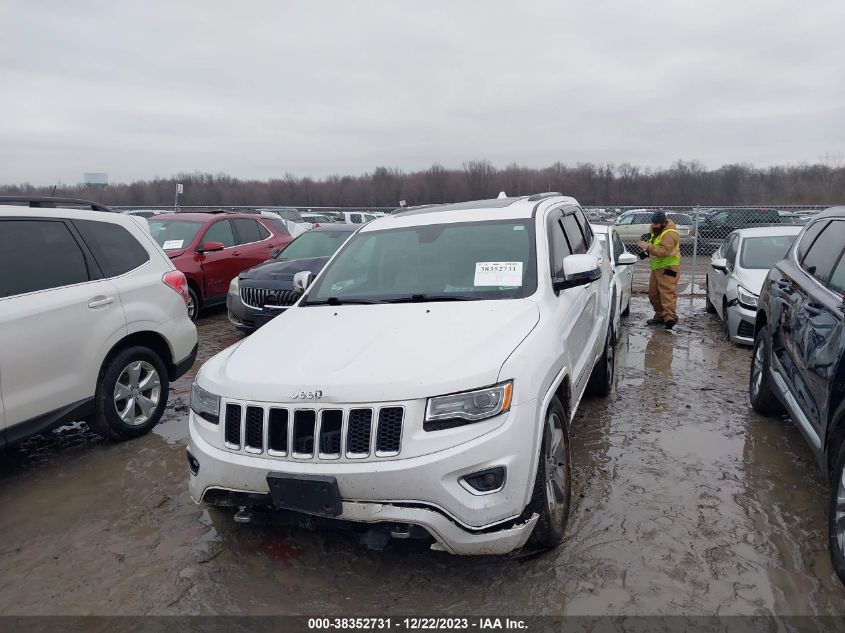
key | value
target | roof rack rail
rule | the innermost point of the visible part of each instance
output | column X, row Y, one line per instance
column 45, row 202
column 547, row 194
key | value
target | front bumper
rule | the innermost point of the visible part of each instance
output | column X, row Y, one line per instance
column 424, row 490
column 741, row 324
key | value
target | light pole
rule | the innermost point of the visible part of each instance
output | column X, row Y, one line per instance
column 179, row 189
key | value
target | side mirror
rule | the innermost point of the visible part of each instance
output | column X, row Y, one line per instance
column 210, row 247
column 302, row 280
column 578, row 270
column 719, row 263
column 627, row 259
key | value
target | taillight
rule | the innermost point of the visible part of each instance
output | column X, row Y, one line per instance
column 178, row 282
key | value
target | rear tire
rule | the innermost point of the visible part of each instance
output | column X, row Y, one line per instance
column 601, row 379
column 131, row 394
column 553, row 482
column 763, row 400
column 194, row 305
column 836, row 515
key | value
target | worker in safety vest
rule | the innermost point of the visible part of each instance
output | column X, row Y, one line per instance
column 663, row 248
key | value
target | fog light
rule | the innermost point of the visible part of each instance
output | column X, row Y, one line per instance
column 488, row 480
column 193, row 464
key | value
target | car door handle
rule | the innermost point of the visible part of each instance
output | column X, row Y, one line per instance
column 813, row 309
column 99, row 302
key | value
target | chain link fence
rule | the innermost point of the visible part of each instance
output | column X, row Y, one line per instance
column 702, row 228
column 702, row 231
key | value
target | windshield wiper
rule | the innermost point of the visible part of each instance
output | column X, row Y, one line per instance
column 335, row 301
column 421, row 298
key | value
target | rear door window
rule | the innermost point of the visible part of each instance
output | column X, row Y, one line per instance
column 115, row 249
column 247, row 231
column 824, row 253
column 38, row 255
column 220, row 231
column 263, row 233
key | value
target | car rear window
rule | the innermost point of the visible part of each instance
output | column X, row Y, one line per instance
column 38, row 255
column 764, row 252
column 115, row 249
column 277, row 224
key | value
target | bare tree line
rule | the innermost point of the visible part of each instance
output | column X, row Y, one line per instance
column 684, row 183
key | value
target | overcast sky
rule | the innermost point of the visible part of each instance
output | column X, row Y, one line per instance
column 257, row 89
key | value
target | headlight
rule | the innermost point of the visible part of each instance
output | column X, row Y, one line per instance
column 746, row 299
column 205, row 404
column 234, row 286
column 457, row 409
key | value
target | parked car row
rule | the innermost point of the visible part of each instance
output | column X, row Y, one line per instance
column 478, row 328
column 782, row 290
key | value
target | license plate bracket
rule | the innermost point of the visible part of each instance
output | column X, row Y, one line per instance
column 314, row 494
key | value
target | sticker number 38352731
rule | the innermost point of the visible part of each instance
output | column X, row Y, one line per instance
column 498, row 274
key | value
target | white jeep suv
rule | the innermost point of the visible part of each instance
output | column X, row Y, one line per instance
column 93, row 322
column 479, row 326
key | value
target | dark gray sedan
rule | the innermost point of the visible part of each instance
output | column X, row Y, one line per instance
column 265, row 291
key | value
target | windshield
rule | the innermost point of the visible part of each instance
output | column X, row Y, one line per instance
column 314, row 244
column 441, row 262
column 764, row 252
column 173, row 234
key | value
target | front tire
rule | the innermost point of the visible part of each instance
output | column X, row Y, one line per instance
column 601, row 379
column 709, row 308
column 763, row 399
column 836, row 515
column 553, row 482
column 131, row 394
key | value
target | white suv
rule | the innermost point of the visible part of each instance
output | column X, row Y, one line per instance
column 93, row 323
column 479, row 326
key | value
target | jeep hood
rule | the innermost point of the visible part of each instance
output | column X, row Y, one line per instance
column 373, row 353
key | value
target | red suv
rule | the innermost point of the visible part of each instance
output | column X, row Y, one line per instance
column 213, row 248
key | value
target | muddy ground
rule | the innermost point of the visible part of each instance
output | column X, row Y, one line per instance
column 685, row 502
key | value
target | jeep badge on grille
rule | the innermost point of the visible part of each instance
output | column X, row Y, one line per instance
column 307, row 395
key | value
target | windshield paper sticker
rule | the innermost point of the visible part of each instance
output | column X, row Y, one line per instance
column 498, row 274
column 169, row 245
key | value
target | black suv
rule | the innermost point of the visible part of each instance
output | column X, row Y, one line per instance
column 717, row 224
column 262, row 293
column 799, row 354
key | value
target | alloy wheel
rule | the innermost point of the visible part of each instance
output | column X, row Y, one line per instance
column 757, row 369
column 192, row 307
column 137, row 393
column 555, row 468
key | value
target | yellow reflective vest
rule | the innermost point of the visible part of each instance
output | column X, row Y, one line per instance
column 673, row 259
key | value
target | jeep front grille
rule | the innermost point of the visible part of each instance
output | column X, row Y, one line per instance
column 329, row 433
column 260, row 297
